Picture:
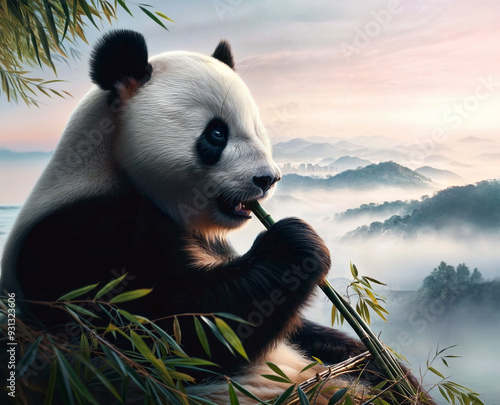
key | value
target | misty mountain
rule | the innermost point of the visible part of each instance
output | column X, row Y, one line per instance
column 300, row 149
column 349, row 163
column 375, row 175
column 489, row 156
column 384, row 210
column 370, row 141
column 460, row 211
column 476, row 140
column 438, row 175
column 292, row 145
column 12, row 156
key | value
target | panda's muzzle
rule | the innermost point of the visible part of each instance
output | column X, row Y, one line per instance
column 234, row 205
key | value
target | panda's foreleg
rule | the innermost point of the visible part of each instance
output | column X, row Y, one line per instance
column 328, row 344
column 266, row 287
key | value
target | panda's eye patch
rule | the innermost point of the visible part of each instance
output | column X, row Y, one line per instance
column 212, row 142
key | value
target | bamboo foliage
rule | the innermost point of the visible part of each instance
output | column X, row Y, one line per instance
column 40, row 32
column 94, row 366
column 359, row 318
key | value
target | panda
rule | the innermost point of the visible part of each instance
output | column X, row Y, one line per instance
column 154, row 169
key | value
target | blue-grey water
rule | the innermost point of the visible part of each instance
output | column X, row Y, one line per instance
column 8, row 215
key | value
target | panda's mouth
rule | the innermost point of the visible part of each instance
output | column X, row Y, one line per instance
column 234, row 208
column 242, row 210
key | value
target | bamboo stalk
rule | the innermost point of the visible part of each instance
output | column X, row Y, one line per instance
column 384, row 359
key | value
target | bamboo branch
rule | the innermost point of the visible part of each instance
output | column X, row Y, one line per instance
column 384, row 359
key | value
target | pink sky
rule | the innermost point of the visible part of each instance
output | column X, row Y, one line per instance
column 426, row 58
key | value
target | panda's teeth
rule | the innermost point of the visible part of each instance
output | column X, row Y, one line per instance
column 238, row 207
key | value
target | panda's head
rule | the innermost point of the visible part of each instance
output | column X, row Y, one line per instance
column 190, row 137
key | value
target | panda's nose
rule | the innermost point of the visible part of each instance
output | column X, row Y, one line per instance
column 265, row 182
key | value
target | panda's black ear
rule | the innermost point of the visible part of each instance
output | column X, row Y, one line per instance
column 120, row 57
column 224, row 54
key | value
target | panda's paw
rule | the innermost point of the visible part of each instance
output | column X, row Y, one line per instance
column 292, row 242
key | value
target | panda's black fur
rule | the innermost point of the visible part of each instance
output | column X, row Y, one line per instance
column 89, row 237
column 118, row 56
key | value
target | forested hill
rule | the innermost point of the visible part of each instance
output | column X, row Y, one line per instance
column 386, row 209
column 387, row 174
column 461, row 210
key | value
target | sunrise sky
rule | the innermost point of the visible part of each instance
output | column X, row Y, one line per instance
column 340, row 68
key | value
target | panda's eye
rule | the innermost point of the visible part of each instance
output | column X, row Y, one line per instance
column 212, row 142
column 217, row 135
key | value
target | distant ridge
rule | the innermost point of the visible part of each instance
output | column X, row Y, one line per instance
column 439, row 175
column 7, row 155
column 459, row 211
column 375, row 175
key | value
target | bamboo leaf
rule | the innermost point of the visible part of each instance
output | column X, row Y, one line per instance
column 87, row 11
column 51, row 385
column 76, row 293
column 152, row 16
column 111, row 355
column 232, row 395
column 217, row 334
column 276, row 378
column 314, row 363
column 348, row 400
column 302, row 396
column 148, row 354
column 71, row 379
column 177, row 330
column 377, row 309
column 285, row 395
column 433, row 370
column 278, row 371
column 230, row 337
column 244, row 391
column 232, row 318
column 180, row 376
column 372, row 297
column 334, row 314
column 164, row 16
column 27, row 359
column 100, row 376
column 354, row 270
column 130, row 295
column 202, row 337
column 374, row 280
column 189, row 361
column 108, row 287
column 42, row 36
column 51, row 23
column 64, row 5
column 81, row 310
column 337, row 396
column 169, row 340
column 124, row 6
